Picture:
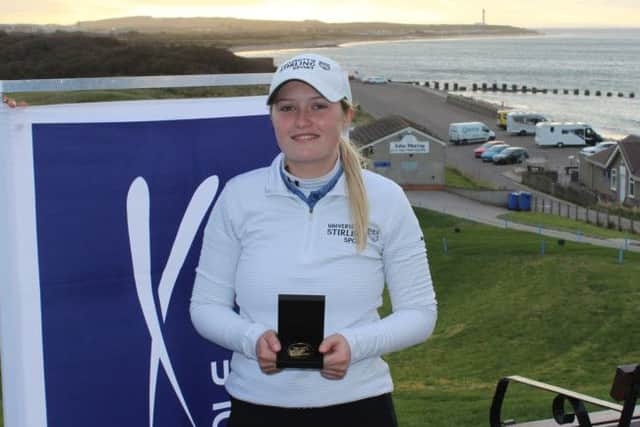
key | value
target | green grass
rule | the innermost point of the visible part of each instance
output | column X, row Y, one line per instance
column 559, row 223
column 47, row 98
column 455, row 178
column 564, row 318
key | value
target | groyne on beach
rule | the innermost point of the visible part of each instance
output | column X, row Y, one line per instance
column 514, row 88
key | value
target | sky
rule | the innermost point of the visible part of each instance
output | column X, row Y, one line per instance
column 530, row 14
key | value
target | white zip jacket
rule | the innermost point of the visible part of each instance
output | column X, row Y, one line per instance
column 261, row 240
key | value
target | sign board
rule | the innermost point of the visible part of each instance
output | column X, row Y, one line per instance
column 409, row 145
column 103, row 210
column 381, row 164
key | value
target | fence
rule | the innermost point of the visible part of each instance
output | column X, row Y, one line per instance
column 601, row 218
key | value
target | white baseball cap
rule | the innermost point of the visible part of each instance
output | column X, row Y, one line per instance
column 323, row 74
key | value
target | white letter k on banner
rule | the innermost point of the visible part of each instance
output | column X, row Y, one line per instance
column 140, row 242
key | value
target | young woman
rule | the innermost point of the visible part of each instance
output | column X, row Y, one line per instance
column 313, row 223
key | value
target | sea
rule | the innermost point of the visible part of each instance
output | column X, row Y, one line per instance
column 594, row 59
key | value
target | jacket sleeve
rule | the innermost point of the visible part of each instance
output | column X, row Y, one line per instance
column 213, row 311
column 410, row 287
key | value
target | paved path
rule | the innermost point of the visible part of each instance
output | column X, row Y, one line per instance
column 459, row 206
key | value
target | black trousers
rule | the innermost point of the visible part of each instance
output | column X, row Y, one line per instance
column 372, row 412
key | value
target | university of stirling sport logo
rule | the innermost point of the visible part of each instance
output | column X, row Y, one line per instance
column 140, row 243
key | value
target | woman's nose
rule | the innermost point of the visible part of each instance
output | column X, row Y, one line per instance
column 302, row 118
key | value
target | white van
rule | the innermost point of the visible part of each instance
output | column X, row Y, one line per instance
column 464, row 133
column 521, row 123
column 551, row 134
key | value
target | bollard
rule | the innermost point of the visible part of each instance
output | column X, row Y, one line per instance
column 555, row 91
column 565, row 91
column 620, row 95
column 609, row 94
column 514, row 88
column 474, row 87
column 524, row 89
column 534, row 90
column 621, row 255
column 494, row 87
column 544, row 91
column 632, row 95
column 626, row 243
column 504, row 87
column 576, row 91
column 436, row 85
column 455, row 86
column 484, row 87
column 578, row 235
column 598, row 93
column 445, row 246
column 586, row 92
column 427, row 84
column 542, row 248
column 539, row 229
column 446, row 86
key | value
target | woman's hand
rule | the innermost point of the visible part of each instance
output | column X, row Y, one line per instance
column 11, row 103
column 267, row 347
column 337, row 357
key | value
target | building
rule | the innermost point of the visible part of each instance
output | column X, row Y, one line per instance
column 615, row 172
column 403, row 151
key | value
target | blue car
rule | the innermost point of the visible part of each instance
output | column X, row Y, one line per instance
column 487, row 156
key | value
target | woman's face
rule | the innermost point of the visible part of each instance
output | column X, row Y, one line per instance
column 308, row 129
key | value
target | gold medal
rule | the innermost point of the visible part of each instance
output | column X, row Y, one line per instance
column 299, row 350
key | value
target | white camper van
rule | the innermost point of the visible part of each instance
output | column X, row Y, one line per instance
column 464, row 133
column 551, row 134
column 521, row 123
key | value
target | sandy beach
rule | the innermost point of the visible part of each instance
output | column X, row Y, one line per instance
column 310, row 44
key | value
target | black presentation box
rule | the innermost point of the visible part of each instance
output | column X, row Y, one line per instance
column 300, row 331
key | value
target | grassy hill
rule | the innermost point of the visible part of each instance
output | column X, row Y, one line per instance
column 68, row 55
column 568, row 317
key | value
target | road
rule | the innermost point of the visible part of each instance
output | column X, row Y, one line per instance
column 429, row 108
column 452, row 204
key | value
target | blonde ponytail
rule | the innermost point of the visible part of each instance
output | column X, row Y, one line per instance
column 358, row 204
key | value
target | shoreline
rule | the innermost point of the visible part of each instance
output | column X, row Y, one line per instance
column 331, row 43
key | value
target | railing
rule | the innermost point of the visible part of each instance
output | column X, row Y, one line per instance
column 597, row 217
column 146, row 82
column 626, row 387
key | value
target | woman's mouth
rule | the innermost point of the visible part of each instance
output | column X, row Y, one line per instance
column 304, row 137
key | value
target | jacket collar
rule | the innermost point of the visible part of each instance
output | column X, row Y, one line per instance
column 276, row 186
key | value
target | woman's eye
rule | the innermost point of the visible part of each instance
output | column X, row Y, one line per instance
column 320, row 106
column 286, row 108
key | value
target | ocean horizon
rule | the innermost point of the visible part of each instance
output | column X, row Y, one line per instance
column 593, row 59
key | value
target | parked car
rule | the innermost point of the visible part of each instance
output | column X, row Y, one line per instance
column 376, row 80
column 511, row 155
column 501, row 118
column 524, row 123
column 464, row 133
column 478, row 151
column 600, row 146
column 487, row 156
column 565, row 134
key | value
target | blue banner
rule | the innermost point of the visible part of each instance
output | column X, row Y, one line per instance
column 120, row 209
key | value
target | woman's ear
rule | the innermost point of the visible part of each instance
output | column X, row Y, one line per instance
column 349, row 115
